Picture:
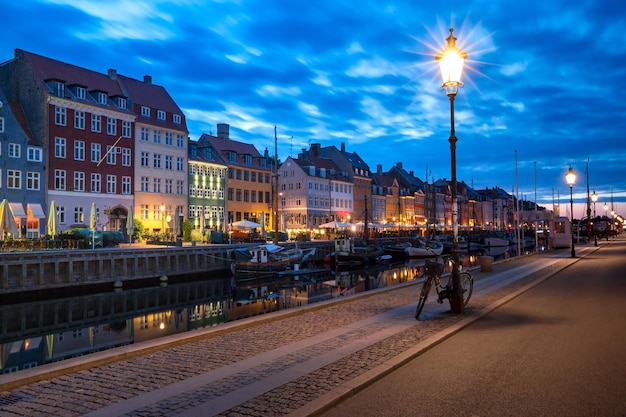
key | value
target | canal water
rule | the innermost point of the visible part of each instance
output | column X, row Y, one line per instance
column 37, row 332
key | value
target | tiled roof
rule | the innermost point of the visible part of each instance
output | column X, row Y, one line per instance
column 223, row 146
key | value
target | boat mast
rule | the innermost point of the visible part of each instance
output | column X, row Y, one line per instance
column 275, row 187
column 365, row 231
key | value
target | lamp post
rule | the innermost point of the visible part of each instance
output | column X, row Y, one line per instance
column 570, row 177
column 162, row 208
column 594, row 198
column 451, row 61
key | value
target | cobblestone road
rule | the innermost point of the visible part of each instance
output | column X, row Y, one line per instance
column 269, row 366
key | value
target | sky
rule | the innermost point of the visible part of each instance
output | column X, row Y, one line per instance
column 544, row 80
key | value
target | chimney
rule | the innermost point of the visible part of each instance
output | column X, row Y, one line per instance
column 147, row 79
column 379, row 169
column 343, row 147
column 399, row 165
column 411, row 173
column 112, row 74
column 223, row 130
column 315, row 149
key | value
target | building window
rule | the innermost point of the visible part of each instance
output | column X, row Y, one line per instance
column 126, row 157
column 145, row 184
column 96, row 123
column 157, row 136
column 96, row 152
column 33, row 180
column 111, row 155
column 160, row 115
column 79, row 181
column 59, row 147
column 238, row 195
column 169, row 138
column 145, row 159
column 247, row 159
column 60, row 116
column 59, row 179
column 169, row 162
column 79, row 120
column 79, row 217
column 145, row 134
column 126, row 185
column 145, row 111
column 144, row 212
column 180, row 164
column 177, row 119
column 231, row 194
column 34, row 154
column 1, row 124
column 111, row 184
column 238, row 174
column 180, row 187
column 156, row 183
column 79, row 150
column 96, row 186
column 121, row 102
column 156, row 161
column 180, row 141
column 232, row 156
column 14, row 179
column 59, row 89
column 111, row 126
column 81, row 93
column 102, row 98
column 168, row 186
column 126, row 131
column 14, row 150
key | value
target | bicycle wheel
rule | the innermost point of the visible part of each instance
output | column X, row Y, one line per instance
column 467, row 284
column 423, row 295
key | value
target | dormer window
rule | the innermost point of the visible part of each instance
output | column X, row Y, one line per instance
column 247, row 159
column 59, row 89
column 177, row 119
column 232, row 156
column 160, row 115
column 81, row 93
column 121, row 102
column 102, row 98
column 145, row 111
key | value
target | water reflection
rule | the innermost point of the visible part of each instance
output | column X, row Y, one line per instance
column 40, row 332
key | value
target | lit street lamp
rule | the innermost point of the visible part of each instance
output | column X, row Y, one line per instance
column 451, row 61
column 594, row 198
column 570, row 177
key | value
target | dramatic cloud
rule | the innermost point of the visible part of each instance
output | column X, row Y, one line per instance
column 543, row 80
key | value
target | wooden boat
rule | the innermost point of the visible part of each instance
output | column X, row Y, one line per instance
column 266, row 258
column 425, row 249
column 495, row 246
column 348, row 252
column 397, row 250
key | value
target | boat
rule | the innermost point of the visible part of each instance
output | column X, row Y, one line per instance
column 425, row 249
column 495, row 246
column 267, row 258
column 397, row 250
column 349, row 252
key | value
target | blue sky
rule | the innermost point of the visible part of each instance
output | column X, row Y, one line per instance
column 544, row 81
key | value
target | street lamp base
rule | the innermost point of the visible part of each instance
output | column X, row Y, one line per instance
column 456, row 304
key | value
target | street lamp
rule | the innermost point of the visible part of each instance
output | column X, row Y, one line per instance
column 162, row 208
column 594, row 198
column 451, row 61
column 570, row 177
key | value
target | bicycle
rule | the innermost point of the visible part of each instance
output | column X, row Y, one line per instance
column 432, row 272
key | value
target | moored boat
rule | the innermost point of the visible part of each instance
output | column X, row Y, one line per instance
column 425, row 249
column 266, row 258
column 347, row 252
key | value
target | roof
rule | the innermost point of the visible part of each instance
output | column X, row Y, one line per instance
column 223, row 146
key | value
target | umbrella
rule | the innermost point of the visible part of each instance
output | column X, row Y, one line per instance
column 130, row 223
column 52, row 220
column 92, row 225
column 333, row 225
column 202, row 220
column 245, row 224
column 8, row 226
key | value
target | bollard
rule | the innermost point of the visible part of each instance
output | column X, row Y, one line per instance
column 486, row 263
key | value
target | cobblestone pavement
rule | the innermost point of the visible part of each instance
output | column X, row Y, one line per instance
column 274, row 365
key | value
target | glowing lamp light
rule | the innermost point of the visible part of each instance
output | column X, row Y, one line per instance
column 570, row 177
column 451, row 61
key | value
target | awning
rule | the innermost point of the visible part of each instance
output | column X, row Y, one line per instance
column 35, row 210
column 17, row 209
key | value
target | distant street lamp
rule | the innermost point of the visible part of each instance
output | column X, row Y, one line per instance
column 594, row 198
column 162, row 208
column 451, row 61
column 570, row 177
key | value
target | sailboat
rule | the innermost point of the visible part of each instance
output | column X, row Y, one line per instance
column 357, row 252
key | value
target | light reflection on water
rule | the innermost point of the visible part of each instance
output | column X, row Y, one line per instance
column 40, row 332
